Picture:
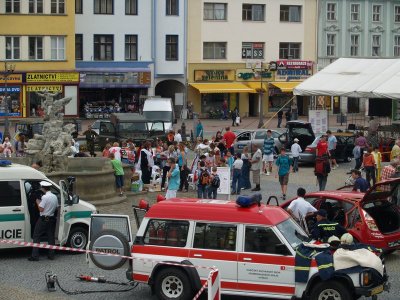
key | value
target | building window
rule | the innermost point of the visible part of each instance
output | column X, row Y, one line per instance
column 353, row 105
column 35, row 47
column 35, row 6
column 58, row 6
column 57, row 48
column 13, row 6
column 290, row 13
column 354, row 44
column 397, row 13
column 131, row 7
column 171, row 47
column 331, row 11
column 103, row 47
column 253, row 50
column 376, row 45
column 376, row 13
column 13, row 50
column 79, row 6
column 214, row 50
column 215, row 236
column 330, row 44
column 289, row 50
column 253, row 12
column 396, row 50
column 355, row 12
column 78, row 46
column 131, row 47
column 215, row 11
column 104, row 7
column 172, row 7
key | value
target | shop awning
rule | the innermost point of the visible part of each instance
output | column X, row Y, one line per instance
column 286, row 87
column 256, row 86
column 220, row 88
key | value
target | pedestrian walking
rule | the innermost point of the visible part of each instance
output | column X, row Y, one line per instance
column 322, row 147
column 225, row 109
column 215, row 183
column 268, row 153
column 322, row 169
column 199, row 130
column 362, row 142
column 173, row 178
column 284, row 164
column 118, row 173
column 256, row 164
column 236, row 175
column 357, row 157
column 170, row 153
column 246, row 158
column 234, row 114
column 203, row 181
column 369, row 166
column 90, row 136
column 332, row 144
column 280, row 116
column 183, row 168
column 46, row 224
column 295, row 149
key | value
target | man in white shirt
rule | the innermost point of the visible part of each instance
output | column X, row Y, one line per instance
column 46, row 223
column 296, row 150
column 256, row 164
column 237, row 174
column 300, row 208
column 178, row 136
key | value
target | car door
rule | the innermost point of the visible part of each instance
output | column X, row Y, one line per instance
column 265, row 264
column 13, row 212
column 216, row 245
column 243, row 139
column 107, row 134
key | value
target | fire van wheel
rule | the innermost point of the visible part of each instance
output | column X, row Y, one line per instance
column 330, row 290
column 78, row 238
column 173, row 283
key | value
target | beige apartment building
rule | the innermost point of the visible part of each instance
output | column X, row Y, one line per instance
column 230, row 47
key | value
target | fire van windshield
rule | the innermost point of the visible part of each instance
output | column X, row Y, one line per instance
column 294, row 234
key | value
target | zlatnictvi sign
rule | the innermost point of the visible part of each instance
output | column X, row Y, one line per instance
column 214, row 75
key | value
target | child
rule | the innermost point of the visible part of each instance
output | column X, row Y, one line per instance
column 378, row 160
column 229, row 159
column 222, row 162
column 106, row 151
column 210, row 159
column 7, row 147
column 284, row 164
column 369, row 165
column 215, row 182
column 203, row 181
column 118, row 172
column 296, row 150
column 173, row 178
column 236, row 174
column 116, row 150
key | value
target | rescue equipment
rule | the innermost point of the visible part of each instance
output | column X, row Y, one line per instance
column 247, row 201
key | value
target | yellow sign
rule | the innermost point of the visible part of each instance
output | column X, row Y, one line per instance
column 214, row 75
column 53, row 77
column 40, row 88
column 12, row 78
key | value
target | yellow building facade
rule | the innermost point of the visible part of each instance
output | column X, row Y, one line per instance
column 38, row 39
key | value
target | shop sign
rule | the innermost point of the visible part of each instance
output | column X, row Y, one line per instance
column 294, row 64
column 52, row 77
column 40, row 88
column 214, row 75
column 292, row 75
column 116, row 78
column 14, row 103
column 249, row 75
column 12, row 78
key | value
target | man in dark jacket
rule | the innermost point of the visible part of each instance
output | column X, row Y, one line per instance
column 324, row 228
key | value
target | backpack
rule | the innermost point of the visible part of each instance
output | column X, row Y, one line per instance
column 216, row 181
column 322, row 166
column 204, row 177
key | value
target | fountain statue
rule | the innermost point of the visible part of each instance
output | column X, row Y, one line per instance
column 54, row 144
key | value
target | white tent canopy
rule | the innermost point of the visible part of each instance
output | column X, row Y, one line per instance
column 355, row 77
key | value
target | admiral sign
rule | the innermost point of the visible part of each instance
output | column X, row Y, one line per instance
column 293, row 70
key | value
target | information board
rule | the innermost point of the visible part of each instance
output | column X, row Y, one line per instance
column 318, row 120
column 225, row 178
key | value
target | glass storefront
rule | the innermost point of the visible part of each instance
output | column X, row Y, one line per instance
column 212, row 103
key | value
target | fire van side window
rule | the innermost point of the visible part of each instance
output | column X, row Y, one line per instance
column 215, row 237
column 262, row 240
column 166, row 233
column 10, row 193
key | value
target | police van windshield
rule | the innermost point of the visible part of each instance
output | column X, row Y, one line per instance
column 294, row 234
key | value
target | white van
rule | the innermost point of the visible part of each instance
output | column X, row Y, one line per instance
column 160, row 109
column 73, row 215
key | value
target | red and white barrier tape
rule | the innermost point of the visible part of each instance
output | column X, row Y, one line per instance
column 209, row 282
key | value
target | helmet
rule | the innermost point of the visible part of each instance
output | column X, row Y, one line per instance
column 347, row 239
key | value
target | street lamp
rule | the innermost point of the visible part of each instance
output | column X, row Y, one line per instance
column 258, row 72
column 8, row 70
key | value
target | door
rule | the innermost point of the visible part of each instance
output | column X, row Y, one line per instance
column 265, row 266
column 12, row 211
column 62, row 210
column 243, row 139
column 215, row 245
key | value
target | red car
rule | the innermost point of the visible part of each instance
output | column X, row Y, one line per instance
column 372, row 218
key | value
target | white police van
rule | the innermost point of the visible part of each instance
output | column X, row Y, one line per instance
column 16, row 183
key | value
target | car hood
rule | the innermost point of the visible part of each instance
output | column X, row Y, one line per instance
column 382, row 190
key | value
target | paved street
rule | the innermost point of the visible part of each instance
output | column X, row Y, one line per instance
column 25, row 280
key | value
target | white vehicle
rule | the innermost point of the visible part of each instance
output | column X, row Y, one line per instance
column 16, row 184
column 160, row 109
